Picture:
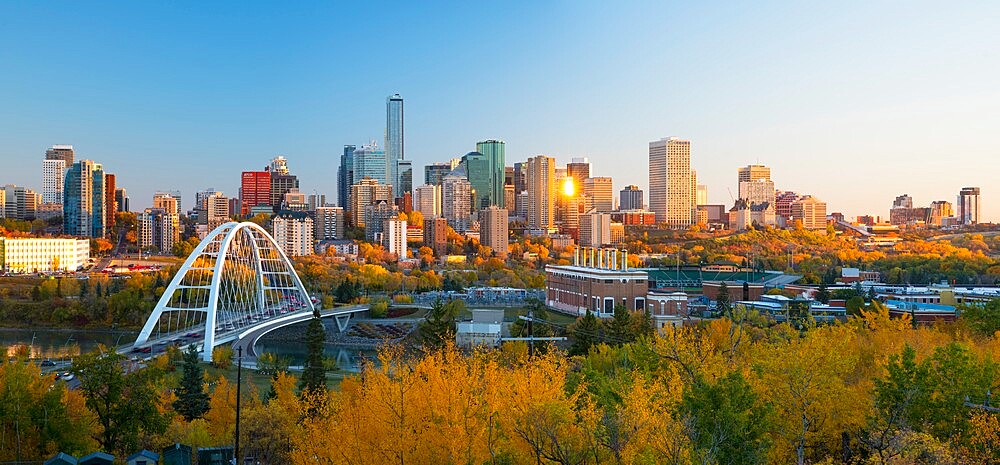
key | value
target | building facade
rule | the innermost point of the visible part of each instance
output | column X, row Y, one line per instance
column 630, row 198
column 33, row 255
column 810, row 211
column 493, row 230
column 599, row 193
column 597, row 281
column 255, row 190
column 370, row 162
column 52, row 180
column 367, row 191
column 329, row 223
column 670, row 181
column 541, row 188
column 158, row 229
column 293, row 232
column 394, row 145
column 456, row 201
column 436, row 235
column 394, row 236
column 345, row 176
column 968, row 205
column 427, row 200
column 493, row 152
column 84, row 200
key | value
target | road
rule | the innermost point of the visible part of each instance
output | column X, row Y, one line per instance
column 249, row 339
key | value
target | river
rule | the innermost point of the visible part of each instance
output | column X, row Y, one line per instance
column 62, row 343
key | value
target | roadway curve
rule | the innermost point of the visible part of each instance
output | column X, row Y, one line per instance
column 248, row 339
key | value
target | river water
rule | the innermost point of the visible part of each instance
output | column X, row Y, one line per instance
column 62, row 343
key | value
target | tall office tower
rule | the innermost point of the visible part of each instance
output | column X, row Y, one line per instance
column 578, row 169
column 572, row 208
column 394, row 141
column 175, row 194
column 110, row 205
column 83, row 200
column 968, row 205
column 166, row 203
column 493, row 151
column 753, row 173
column 436, row 235
column 315, row 201
column 375, row 216
column 670, row 181
column 435, row 172
column 216, row 208
column 393, row 236
column 19, row 203
column 702, row 196
column 595, row 229
column 293, row 232
column 940, row 210
column 282, row 184
column 369, row 162
column 783, row 203
column 52, row 180
column 493, row 230
column 810, row 211
column 520, row 186
column 427, row 200
column 329, row 223
column 367, row 192
column 403, row 177
column 456, row 200
column 255, row 190
column 630, row 198
column 61, row 152
column 158, row 229
column 121, row 199
column 278, row 165
column 509, row 198
column 600, row 194
column 345, row 176
column 477, row 170
column 541, row 187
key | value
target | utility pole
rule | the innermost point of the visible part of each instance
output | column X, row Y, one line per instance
column 239, row 381
column 531, row 334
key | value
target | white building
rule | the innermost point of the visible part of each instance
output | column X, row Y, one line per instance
column 670, row 182
column 52, row 180
column 595, row 229
column 394, row 236
column 293, row 231
column 483, row 330
column 456, row 203
column 158, row 229
column 28, row 255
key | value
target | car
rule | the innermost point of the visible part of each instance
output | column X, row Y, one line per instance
column 67, row 376
column 48, row 363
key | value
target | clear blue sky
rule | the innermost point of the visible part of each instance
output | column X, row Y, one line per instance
column 854, row 102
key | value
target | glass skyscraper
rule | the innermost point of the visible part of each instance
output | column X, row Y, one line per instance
column 394, row 141
column 345, row 176
column 493, row 155
column 369, row 162
column 83, row 200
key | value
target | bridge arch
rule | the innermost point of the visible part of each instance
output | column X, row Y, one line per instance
column 236, row 277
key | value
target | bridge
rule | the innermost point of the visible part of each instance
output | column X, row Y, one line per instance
column 236, row 286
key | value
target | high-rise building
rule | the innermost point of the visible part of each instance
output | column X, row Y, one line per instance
column 216, row 208
column 753, row 173
column 19, row 203
column 493, row 153
column 294, row 201
column 477, row 170
column 694, row 197
column 393, row 236
column 366, row 192
column 166, row 203
column 282, row 184
column 83, row 200
column 940, row 211
column 329, row 223
column 369, row 162
column 176, row 195
column 435, row 172
column 315, row 201
column 541, row 187
column 121, row 199
column 158, row 230
column 456, row 199
column 509, row 198
column 394, row 145
column 375, row 216
column 436, row 235
column 403, row 175
column 968, row 205
column 579, row 170
column 630, row 198
column 52, row 180
column 110, row 204
column 783, row 203
column 595, row 229
column 61, row 152
column 255, row 190
column 293, row 232
column 903, row 201
column 702, row 196
column 600, row 194
column 278, row 165
column 427, row 200
column 493, row 230
column 670, row 181
column 810, row 211
column 755, row 186
column 345, row 176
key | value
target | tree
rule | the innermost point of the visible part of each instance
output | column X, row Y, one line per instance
column 314, row 373
column 586, row 332
column 727, row 423
column 722, row 300
column 125, row 402
column 855, row 305
column 823, row 293
column 192, row 401
column 982, row 318
column 621, row 326
column 439, row 328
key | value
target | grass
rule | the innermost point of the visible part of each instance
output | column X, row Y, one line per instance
column 262, row 382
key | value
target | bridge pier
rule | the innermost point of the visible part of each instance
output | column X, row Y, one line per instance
column 342, row 321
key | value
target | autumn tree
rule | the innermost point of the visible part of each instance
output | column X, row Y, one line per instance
column 727, row 423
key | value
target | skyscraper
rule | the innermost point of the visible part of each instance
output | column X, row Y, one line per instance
column 968, row 205
column 493, row 151
column 579, row 170
column 345, row 176
column 427, row 200
column 493, row 230
column 84, row 200
column 541, row 187
column 435, row 172
column 403, row 175
column 278, row 165
column 61, row 152
column 18, row 202
column 110, row 204
column 810, row 211
column 166, row 203
column 670, row 181
column 121, row 199
column 753, row 173
column 281, row 184
column 158, row 229
column 755, row 186
column 456, row 199
column 52, row 180
column 630, row 198
column 394, row 140
column 600, row 194
column 477, row 170
column 369, row 162
column 367, row 192
column 329, row 223
column 255, row 190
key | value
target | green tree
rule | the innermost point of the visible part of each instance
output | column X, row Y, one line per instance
column 192, row 401
column 982, row 318
column 122, row 397
column 621, row 331
column 439, row 327
column 823, row 293
column 727, row 423
column 855, row 305
column 314, row 373
column 586, row 332
column 722, row 301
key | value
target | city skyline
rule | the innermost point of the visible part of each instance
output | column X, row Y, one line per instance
column 885, row 122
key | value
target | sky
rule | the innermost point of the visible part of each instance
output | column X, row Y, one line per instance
column 853, row 102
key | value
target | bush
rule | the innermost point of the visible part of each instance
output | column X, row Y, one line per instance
column 379, row 309
column 222, row 357
column 403, row 299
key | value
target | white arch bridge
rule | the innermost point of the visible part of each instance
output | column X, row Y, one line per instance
column 237, row 283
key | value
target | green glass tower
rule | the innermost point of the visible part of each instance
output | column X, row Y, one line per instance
column 492, row 152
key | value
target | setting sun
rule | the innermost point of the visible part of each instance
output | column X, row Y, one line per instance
column 569, row 189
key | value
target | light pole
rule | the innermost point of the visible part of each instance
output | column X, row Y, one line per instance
column 239, row 382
